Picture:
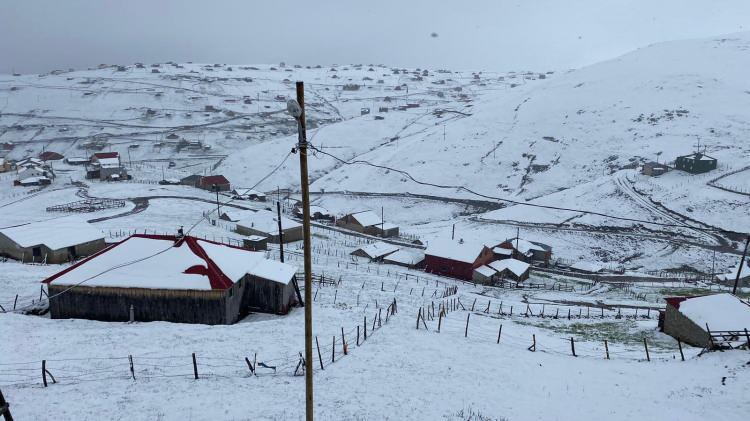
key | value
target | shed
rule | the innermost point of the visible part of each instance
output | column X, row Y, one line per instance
column 515, row 270
column 528, row 251
column 255, row 243
column 171, row 278
column 456, row 259
column 410, row 258
column 654, row 169
column 695, row 163
column 689, row 318
column 265, row 223
column 368, row 222
column 207, row 183
column 50, row 156
column 52, row 241
column 375, row 251
column 191, row 180
column 483, row 275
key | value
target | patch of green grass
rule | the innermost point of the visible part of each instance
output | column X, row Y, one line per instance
column 623, row 331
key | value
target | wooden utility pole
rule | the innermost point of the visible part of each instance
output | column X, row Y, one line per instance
column 305, row 186
column 739, row 270
column 281, row 232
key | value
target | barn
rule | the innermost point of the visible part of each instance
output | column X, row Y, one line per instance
column 208, row 182
column 368, row 222
column 172, row 278
column 695, row 163
column 52, row 241
column 456, row 259
column 266, row 224
column 654, row 169
column 375, row 251
column 528, row 251
column 690, row 318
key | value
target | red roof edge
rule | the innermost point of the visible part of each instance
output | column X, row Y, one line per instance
column 675, row 301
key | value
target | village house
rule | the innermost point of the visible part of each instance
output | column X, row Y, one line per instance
column 695, row 163
column 77, row 161
column 317, row 213
column 172, row 278
column 689, row 319
column 50, row 156
column 264, row 223
column 255, row 243
column 106, row 166
column 191, row 180
column 406, row 257
column 208, row 182
column 456, row 258
column 4, row 165
column 375, row 251
column 654, row 169
column 527, row 251
column 248, row 194
column 52, row 241
column 368, row 222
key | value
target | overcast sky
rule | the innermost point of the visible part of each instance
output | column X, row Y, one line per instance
column 41, row 35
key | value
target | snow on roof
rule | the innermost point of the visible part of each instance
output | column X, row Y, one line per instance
column 266, row 221
column 719, row 311
column 524, row 246
column 405, row 256
column 388, row 226
column 147, row 261
column 235, row 215
column 56, row 233
column 319, row 209
column 109, row 162
column 516, row 266
column 485, row 270
column 500, row 250
column 367, row 218
column 378, row 249
column 455, row 250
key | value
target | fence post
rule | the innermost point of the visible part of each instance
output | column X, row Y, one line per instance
column 365, row 328
column 132, row 370
column 499, row 332
column 679, row 344
column 195, row 367
column 466, row 331
column 418, row 315
column 320, row 358
column 4, row 408
column 747, row 335
column 573, row 347
column 333, row 350
column 440, row 320
column 44, row 372
column 532, row 348
column 343, row 341
column 472, row 304
column 357, row 335
column 645, row 346
column 606, row 348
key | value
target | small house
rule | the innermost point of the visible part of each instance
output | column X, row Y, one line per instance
column 255, row 243
column 483, row 275
column 695, row 163
column 191, row 180
column 106, row 166
column 172, row 278
column 654, row 169
column 375, row 251
column 456, row 259
column 266, row 223
column 50, row 156
column 208, row 182
column 317, row 213
column 248, row 194
column 77, row 161
column 406, row 257
column 511, row 269
column 690, row 318
column 528, row 251
column 52, row 241
column 368, row 222
column 4, row 165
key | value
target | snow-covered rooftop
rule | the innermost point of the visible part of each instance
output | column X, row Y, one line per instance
column 466, row 252
column 378, row 249
column 485, row 270
column 367, row 218
column 266, row 221
column 405, row 256
column 719, row 312
column 524, row 246
column 157, row 262
column 516, row 266
column 55, row 233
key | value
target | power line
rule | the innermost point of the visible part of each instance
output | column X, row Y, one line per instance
column 516, row 202
column 157, row 253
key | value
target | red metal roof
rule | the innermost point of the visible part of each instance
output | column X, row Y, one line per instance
column 675, row 301
column 216, row 276
column 103, row 155
column 214, row 179
column 50, row 156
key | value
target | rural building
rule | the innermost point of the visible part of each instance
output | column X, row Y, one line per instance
column 77, row 161
column 528, row 251
column 191, row 180
column 456, row 258
column 264, row 223
column 207, row 183
column 255, row 243
column 175, row 279
column 375, row 251
column 50, row 156
column 511, row 269
column 687, row 318
column 249, row 194
column 106, row 166
column 29, row 162
column 368, row 222
column 52, row 241
column 410, row 258
column 483, row 275
column 654, row 169
column 4, row 165
column 317, row 213
column 695, row 163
